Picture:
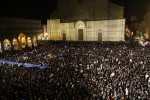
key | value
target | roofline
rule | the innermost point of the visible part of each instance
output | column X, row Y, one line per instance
column 116, row 5
column 5, row 17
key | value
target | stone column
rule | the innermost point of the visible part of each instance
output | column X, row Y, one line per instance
column 2, row 46
column 11, row 44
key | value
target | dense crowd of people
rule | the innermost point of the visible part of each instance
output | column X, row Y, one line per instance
column 78, row 71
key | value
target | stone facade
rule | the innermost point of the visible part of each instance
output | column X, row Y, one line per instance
column 115, row 12
column 105, row 30
column 146, row 24
column 87, row 20
column 70, row 10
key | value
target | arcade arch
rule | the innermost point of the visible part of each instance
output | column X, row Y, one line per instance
column 34, row 41
column 7, row 44
column 22, row 40
column 29, row 42
column 15, row 44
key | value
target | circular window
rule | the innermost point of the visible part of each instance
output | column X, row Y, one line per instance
column 80, row 26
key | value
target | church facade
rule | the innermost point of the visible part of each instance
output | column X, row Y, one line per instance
column 86, row 20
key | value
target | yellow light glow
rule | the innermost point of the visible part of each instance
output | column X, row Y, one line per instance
column 7, row 45
column 80, row 25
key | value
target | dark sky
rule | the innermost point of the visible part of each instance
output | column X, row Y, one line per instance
column 34, row 9
column 41, row 9
column 133, row 7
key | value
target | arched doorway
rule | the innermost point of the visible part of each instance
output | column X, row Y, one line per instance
column 80, row 34
column 64, row 36
column 7, row 45
column 34, row 41
column 29, row 42
column 80, row 29
column 22, row 40
column 99, row 35
column 15, row 44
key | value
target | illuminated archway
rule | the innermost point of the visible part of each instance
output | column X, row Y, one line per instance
column 80, row 29
column 15, row 44
column 22, row 40
column 7, row 44
column 29, row 42
column 34, row 41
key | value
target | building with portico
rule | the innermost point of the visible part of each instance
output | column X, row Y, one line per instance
column 17, row 33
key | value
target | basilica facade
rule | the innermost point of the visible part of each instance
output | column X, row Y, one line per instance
column 86, row 20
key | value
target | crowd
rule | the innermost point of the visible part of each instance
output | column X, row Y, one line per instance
column 78, row 71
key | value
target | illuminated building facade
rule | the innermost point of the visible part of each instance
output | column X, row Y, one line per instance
column 86, row 20
column 18, row 33
column 146, row 24
column 44, row 32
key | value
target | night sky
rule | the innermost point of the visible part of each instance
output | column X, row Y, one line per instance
column 41, row 9
column 34, row 9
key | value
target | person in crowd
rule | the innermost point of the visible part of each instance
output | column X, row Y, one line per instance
column 77, row 71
